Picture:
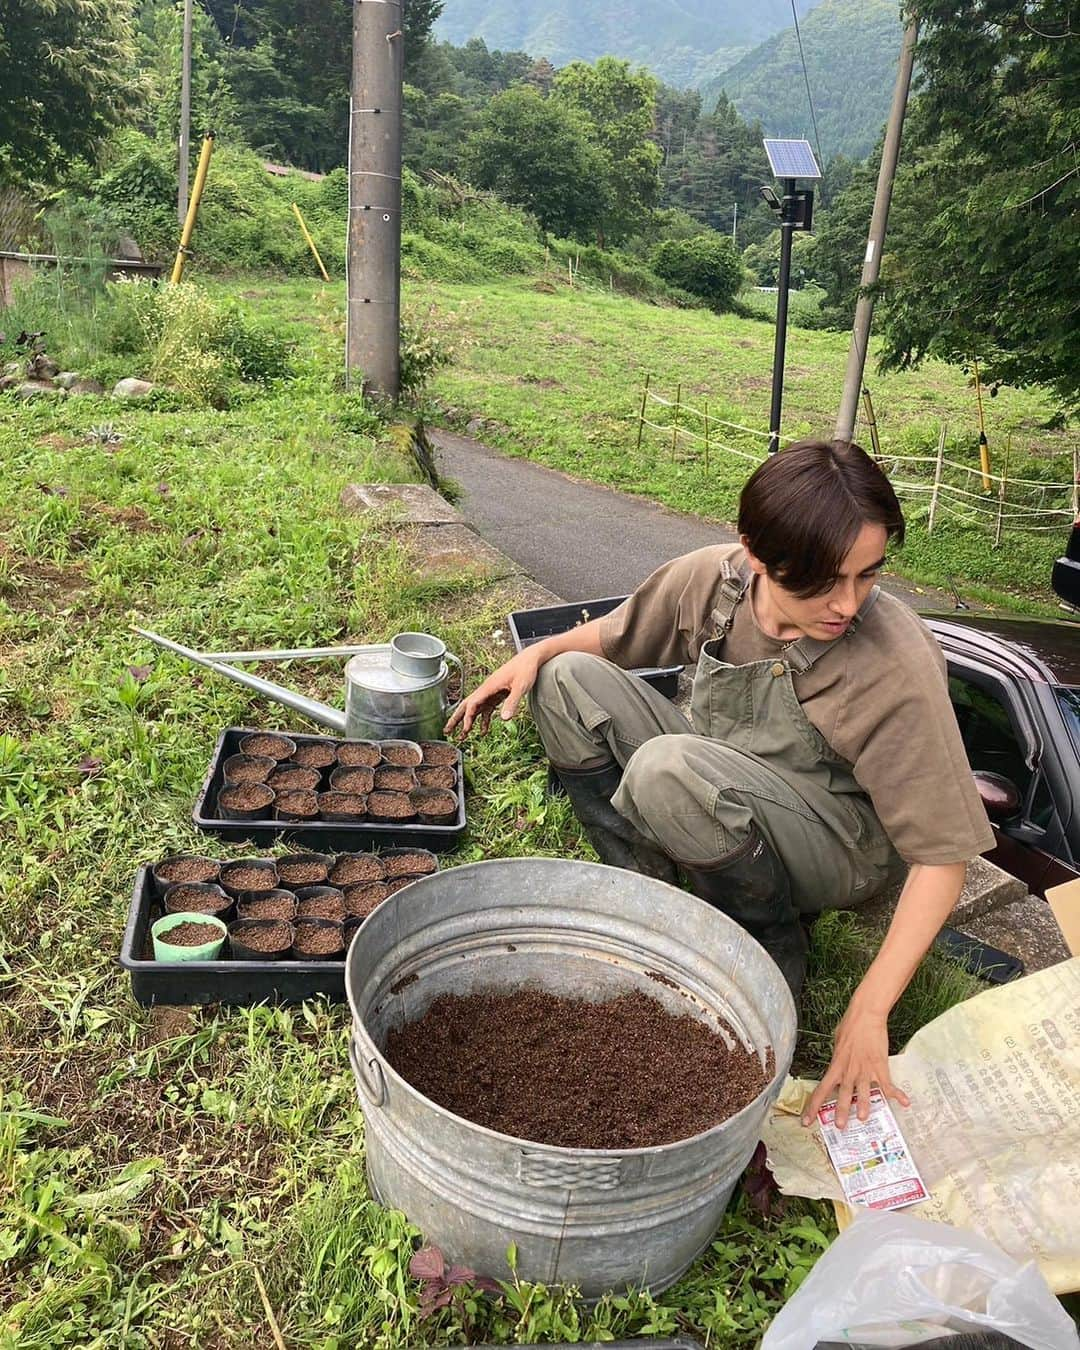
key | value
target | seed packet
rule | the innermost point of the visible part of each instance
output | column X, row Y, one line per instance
column 871, row 1158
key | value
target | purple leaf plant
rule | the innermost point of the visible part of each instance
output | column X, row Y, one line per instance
column 440, row 1284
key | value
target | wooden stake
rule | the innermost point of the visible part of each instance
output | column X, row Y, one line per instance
column 641, row 415
column 1001, row 493
column 984, row 449
column 937, row 480
column 675, row 425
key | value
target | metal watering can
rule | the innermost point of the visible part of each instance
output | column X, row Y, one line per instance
column 393, row 691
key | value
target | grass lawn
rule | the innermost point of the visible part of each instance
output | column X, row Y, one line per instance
column 177, row 1179
column 563, row 369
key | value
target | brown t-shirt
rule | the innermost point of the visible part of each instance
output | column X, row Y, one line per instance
column 880, row 700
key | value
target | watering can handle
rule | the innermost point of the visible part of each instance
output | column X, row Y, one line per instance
column 451, row 659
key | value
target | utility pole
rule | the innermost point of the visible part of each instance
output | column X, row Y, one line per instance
column 185, row 118
column 864, row 309
column 788, row 225
column 373, row 284
column 735, row 222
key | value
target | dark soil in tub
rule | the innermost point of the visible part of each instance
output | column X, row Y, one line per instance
column 350, row 870
column 299, row 805
column 356, row 779
column 188, row 899
column 321, row 907
column 317, row 940
column 439, row 753
column 621, row 1074
column 191, row 935
column 409, row 864
column 273, row 937
column 270, row 908
column 437, row 776
column 350, row 805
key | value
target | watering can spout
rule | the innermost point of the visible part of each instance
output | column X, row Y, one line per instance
column 300, row 703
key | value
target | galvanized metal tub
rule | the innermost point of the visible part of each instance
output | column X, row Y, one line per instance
column 600, row 1219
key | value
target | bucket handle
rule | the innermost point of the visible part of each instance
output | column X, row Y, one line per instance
column 601, row 1174
column 375, row 1088
column 452, row 660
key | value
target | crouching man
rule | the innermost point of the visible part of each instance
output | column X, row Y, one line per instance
column 823, row 758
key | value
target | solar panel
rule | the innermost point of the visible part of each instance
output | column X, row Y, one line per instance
column 792, row 159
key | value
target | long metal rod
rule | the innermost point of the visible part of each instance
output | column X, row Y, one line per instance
column 787, row 228
column 864, row 308
column 307, row 707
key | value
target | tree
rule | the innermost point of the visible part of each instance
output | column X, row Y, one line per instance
column 619, row 106
column 65, row 81
column 708, row 265
column 539, row 152
column 983, row 261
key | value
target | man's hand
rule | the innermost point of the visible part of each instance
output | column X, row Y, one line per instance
column 508, row 685
column 860, row 1058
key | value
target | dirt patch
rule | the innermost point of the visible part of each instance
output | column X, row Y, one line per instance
column 57, row 441
column 572, row 1073
column 40, row 585
column 133, row 518
column 539, row 381
column 754, row 382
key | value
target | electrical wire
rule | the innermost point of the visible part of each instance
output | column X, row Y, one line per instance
column 806, row 78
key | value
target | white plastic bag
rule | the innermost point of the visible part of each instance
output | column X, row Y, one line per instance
column 893, row 1280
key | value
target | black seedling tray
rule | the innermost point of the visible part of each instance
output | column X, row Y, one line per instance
column 324, row 836
column 532, row 625
column 185, row 983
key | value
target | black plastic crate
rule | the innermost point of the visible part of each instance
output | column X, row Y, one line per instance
column 324, row 836
column 185, row 983
column 532, row 625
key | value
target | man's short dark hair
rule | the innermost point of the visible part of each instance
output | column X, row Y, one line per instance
column 803, row 508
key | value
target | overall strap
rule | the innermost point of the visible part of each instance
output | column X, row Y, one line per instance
column 804, row 652
column 734, row 584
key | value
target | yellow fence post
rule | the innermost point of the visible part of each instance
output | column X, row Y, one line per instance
column 310, row 242
column 984, row 449
column 193, row 206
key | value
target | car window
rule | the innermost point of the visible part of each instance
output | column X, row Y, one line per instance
column 1069, row 703
column 992, row 745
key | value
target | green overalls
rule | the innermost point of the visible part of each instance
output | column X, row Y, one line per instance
column 750, row 755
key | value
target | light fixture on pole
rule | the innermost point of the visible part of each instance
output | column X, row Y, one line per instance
column 789, row 160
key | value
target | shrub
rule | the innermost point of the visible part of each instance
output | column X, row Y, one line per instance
column 254, row 351
column 422, row 257
column 422, row 353
column 707, row 265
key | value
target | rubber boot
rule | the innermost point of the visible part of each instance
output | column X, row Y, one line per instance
column 616, row 841
column 751, row 886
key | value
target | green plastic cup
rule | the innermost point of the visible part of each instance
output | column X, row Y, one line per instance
column 164, row 950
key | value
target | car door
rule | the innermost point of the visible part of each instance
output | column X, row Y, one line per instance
column 1002, row 731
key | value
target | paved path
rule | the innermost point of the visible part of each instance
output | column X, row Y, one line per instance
column 580, row 539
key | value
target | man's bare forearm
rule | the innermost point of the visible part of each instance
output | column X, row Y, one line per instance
column 928, row 898
column 585, row 637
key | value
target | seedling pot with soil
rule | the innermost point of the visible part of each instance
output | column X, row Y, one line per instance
column 245, row 801
column 246, row 878
column 296, row 806
column 278, row 904
column 183, row 867
column 293, row 778
column 318, row 940
column 436, row 776
column 390, row 808
column 314, row 755
column 304, row 869
column 188, row 937
column 344, row 807
column 434, row 806
column 360, row 901
column 268, row 744
column 351, row 869
column 247, row 769
column 358, row 780
column 198, row 897
column 403, row 754
column 439, row 754
column 408, row 862
column 260, row 939
column 320, row 902
column 394, row 778
column 359, row 754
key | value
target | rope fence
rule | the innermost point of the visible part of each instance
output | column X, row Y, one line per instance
column 969, row 495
